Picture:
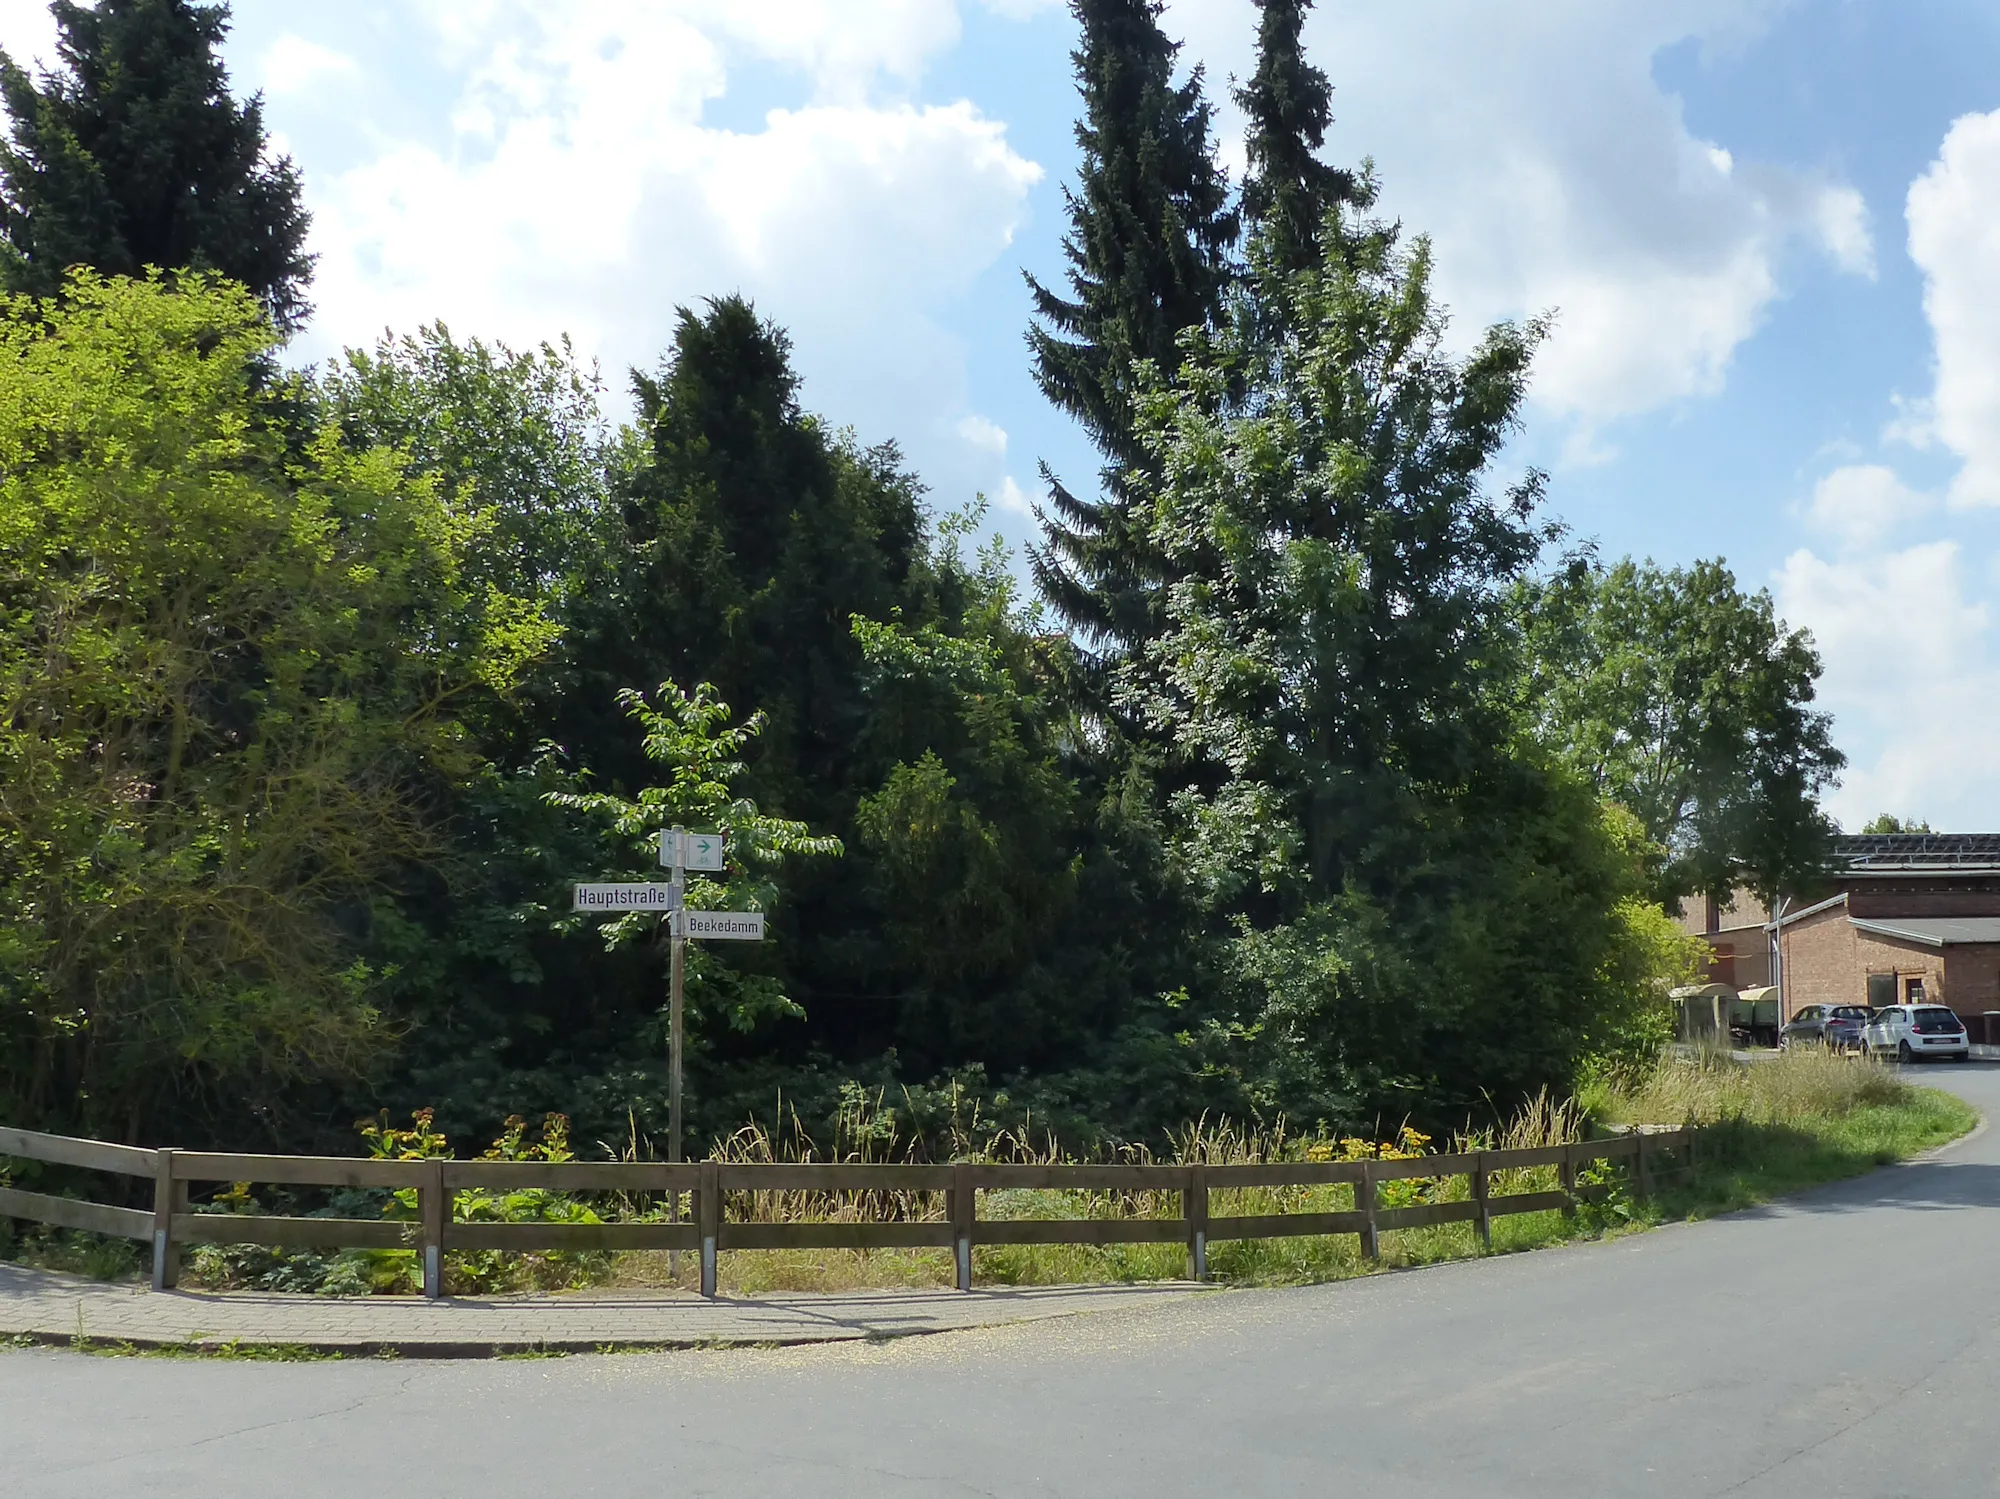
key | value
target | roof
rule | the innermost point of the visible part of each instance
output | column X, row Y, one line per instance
column 1933, row 931
column 1918, row 853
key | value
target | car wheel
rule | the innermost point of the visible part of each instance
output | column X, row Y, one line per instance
column 1903, row 1052
column 1962, row 1056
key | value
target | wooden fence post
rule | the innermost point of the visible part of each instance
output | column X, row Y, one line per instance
column 1569, row 1180
column 708, row 1212
column 1194, row 1208
column 1645, row 1166
column 964, row 1211
column 434, row 1211
column 169, row 1197
column 1364, row 1202
column 1480, row 1189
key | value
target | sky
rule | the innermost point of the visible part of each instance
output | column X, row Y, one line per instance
column 1768, row 231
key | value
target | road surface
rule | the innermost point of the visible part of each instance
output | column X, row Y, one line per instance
column 1844, row 1343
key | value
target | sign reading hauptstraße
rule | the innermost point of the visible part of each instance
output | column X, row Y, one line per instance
column 648, row 897
column 724, row 926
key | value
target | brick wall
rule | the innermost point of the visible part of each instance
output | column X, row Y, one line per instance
column 1972, row 978
column 1827, row 962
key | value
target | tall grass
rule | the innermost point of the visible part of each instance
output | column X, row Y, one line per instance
column 1799, row 1120
column 1710, row 1087
column 862, row 1135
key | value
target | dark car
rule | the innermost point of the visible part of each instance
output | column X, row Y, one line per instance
column 1837, row 1026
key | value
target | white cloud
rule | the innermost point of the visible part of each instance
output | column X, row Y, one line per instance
column 28, row 32
column 1910, row 672
column 1014, row 500
column 294, row 66
column 580, row 188
column 1954, row 218
column 984, row 433
column 1532, row 141
column 1860, row 503
column 1840, row 216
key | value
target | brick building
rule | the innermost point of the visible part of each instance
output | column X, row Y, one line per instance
column 1908, row 918
column 1738, row 936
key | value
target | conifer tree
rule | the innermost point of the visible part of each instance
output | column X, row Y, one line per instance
column 1148, row 250
column 132, row 153
column 1288, row 189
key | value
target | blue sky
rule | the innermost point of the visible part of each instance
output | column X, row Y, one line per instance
column 1769, row 229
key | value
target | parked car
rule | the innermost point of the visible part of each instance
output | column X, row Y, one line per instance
column 1837, row 1026
column 1913, row 1031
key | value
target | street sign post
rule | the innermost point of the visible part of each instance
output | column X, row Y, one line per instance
column 680, row 851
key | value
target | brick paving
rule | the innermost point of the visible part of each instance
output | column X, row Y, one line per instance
column 53, row 1308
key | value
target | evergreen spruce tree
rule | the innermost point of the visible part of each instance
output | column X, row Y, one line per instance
column 1288, row 189
column 132, row 153
column 1151, row 231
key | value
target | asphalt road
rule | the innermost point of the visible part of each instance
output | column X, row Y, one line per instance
column 1844, row 1343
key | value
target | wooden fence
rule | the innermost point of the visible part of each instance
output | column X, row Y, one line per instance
column 170, row 1224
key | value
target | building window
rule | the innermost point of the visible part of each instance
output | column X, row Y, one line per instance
column 1881, row 990
column 1913, row 990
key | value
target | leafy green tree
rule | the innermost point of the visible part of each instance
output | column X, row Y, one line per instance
column 230, row 672
column 1414, row 909
column 1888, row 822
column 753, row 536
column 689, row 735
column 1151, row 229
column 1685, row 699
column 518, row 437
column 132, row 153
column 1288, row 105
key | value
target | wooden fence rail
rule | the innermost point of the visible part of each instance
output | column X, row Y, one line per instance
column 171, row 1223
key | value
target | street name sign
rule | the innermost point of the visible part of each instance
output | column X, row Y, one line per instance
column 628, row 897
column 701, row 852
column 724, row 926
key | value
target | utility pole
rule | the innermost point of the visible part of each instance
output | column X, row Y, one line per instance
column 677, row 969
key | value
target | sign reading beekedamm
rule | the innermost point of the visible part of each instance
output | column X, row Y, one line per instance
column 647, row 897
column 724, row 926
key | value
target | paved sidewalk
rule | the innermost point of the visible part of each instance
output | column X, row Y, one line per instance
column 59, row 1308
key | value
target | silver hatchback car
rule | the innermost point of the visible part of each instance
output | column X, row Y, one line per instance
column 1909, row 1032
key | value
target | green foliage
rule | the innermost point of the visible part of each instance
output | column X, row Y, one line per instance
column 228, row 664
column 1288, row 102
column 1888, row 822
column 1686, row 700
column 690, row 736
column 132, row 155
column 517, row 438
column 1148, row 251
column 1386, row 860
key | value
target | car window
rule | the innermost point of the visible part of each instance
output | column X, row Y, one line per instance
column 1934, row 1020
column 1810, row 1012
column 1849, row 1012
